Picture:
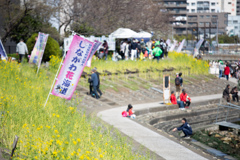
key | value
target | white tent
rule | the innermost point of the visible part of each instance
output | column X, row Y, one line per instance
column 124, row 33
column 144, row 34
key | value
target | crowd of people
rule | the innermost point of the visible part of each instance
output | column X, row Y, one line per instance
column 135, row 49
column 226, row 69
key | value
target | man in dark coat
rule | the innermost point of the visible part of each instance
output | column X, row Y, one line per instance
column 94, row 80
column 185, row 127
column 98, row 86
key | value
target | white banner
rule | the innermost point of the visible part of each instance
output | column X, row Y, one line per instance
column 173, row 46
column 181, row 46
column 198, row 45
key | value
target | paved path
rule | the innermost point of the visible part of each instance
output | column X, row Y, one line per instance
column 162, row 146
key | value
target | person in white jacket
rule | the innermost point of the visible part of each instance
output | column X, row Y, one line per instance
column 21, row 50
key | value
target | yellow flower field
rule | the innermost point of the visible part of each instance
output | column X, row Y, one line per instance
column 60, row 131
column 57, row 132
column 179, row 61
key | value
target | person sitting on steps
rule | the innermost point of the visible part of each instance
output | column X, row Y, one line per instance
column 226, row 93
column 185, row 127
column 234, row 93
column 173, row 100
column 185, row 99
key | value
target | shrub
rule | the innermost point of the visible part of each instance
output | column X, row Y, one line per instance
column 52, row 47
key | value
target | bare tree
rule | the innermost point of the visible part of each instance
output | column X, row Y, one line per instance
column 105, row 16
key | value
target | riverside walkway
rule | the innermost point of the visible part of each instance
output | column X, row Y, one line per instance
column 159, row 144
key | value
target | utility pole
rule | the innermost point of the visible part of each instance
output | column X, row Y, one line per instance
column 217, row 36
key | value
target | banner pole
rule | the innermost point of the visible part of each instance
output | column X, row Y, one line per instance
column 54, row 79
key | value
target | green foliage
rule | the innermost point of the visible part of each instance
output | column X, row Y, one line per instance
column 181, row 37
column 227, row 39
column 82, row 28
column 33, row 24
column 52, row 47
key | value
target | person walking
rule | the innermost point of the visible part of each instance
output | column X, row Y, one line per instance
column 157, row 52
column 105, row 50
column 123, row 48
column 95, row 83
column 98, row 86
column 185, row 128
column 162, row 46
column 134, row 46
column 127, row 50
column 149, row 46
column 178, row 85
column 21, row 50
column 227, row 72
column 221, row 69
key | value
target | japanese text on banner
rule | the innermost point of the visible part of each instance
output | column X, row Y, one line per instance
column 72, row 68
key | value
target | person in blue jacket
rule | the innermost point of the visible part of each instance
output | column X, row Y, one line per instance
column 95, row 82
column 185, row 127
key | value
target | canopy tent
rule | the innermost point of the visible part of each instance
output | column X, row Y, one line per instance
column 123, row 33
column 144, row 34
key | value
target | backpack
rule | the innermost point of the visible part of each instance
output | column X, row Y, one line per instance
column 177, row 81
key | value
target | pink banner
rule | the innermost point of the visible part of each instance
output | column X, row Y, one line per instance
column 72, row 67
column 95, row 47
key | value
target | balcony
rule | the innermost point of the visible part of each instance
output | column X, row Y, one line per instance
column 180, row 26
column 175, row 5
column 192, row 19
column 177, row 12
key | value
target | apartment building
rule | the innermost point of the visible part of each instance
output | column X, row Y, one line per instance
column 207, row 24
column 194, row 6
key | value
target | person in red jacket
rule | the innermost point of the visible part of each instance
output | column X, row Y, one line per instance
column 185, row 99
column 173, row 100
column 226, row 72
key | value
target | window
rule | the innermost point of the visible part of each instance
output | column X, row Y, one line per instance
column 213, row 3
column 235, row 22
column 226, row 15
column 229, row 2
column 187, row 10
column 201, row 16
column 193, row 10
column 226, row 22
column 212, row 10
column 201, row 23
column 187, row 4
column 207, row 16
column 193, row 4
column 214, row 16
column 236, row 27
